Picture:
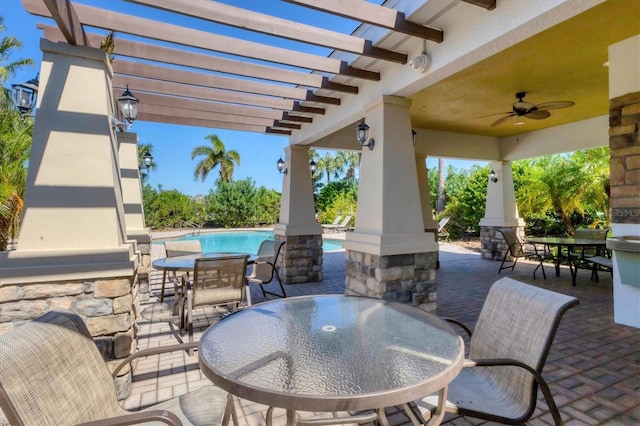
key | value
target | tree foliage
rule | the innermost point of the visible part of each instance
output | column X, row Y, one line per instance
column 214, row 156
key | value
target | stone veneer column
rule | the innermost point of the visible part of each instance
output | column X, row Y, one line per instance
column 73, row 251
column 624, row 145
column 301, row 260
column 389, row 255
column 501, row 212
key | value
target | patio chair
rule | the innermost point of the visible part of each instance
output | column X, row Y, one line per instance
column 178, row 248
column 52, row 373
column 344, row 225
column 583, row 258
column 519, row 250
column 511, row 342
column 443, row 234
column 216, row 281
column 264, row 267
column 335, row 222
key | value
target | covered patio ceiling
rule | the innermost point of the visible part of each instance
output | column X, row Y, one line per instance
column 198, row 77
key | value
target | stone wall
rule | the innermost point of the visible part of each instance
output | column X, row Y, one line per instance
column 494, row 246
column 624, row 145
column 302, row 259
column 406, row 278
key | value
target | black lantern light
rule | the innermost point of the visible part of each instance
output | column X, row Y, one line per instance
column 281, row 166
column 24, row 95
column 362, row 134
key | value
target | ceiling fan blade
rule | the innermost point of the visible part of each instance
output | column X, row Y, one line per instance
column 503, row 119
column 545, row 106
column 538, row 115
column 497, row 113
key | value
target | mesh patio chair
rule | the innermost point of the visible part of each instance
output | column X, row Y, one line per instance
column 511, row 342
column 265, row 269
column 178, row 248
column 52, row 373
column 519, row 250
column 216, row 281
column 335, row 222
column 344, row 225
column 589, row 257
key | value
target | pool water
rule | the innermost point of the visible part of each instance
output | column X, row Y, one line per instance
column 244, row 241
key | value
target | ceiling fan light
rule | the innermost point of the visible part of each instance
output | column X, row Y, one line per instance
column 519, row 123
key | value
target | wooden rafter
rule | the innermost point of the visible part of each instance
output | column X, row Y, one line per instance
column 206, row 93
column 230, row 15
column 151, row 52
column 486, row 4
column 369, row 13
column 120, row 22
column 143, row 70
column 63, row 12
column 188, row 121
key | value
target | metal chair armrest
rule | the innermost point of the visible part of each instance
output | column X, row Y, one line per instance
column 544, row 387
column 154, row 351
column 162, row 416
column 459, row 324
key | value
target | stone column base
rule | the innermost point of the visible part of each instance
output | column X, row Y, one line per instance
column 301, row 260
column 494, row 246
column 405, row 278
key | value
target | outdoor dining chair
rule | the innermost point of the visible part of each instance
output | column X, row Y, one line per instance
column 265, row 267
column 52, row 373
column 216, row 281
column 511, row 342
column 178, row 248
column 517, row 250
column 443, row 234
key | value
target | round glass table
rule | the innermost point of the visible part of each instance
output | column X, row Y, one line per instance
column 331, row 353
column 186, row 262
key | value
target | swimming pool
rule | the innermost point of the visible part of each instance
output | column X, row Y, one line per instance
column 244, row 241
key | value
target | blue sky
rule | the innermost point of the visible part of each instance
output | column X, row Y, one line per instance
column 172, row 144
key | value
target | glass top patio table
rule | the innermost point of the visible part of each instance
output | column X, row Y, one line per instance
column 567, row 242
column 187, row 262
column 331, row 353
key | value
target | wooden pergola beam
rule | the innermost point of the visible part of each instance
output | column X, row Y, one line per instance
column 369, row 13
column 147, row 28
column 212, row 124
column 486, row 4
column 64, row 14
column 241, row 18
column 167, row 55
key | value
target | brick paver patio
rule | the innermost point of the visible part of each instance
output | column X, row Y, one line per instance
column 593, row 368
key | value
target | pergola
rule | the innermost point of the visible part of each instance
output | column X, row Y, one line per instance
column 427, row 77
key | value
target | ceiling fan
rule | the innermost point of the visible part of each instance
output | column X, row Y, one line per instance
column 522, row 108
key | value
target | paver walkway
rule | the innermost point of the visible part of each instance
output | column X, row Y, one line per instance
column 593, row 368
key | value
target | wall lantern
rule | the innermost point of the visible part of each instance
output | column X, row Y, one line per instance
column 24, row 95
column 414, row 135
column 312, row 166
column 281, row 166
column 147, row 159
column 128, row 105
column 492, row 176
column 362, row 134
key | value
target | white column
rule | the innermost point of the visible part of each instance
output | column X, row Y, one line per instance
column 131, row 187
column 297, row 210
column 73, row 222
column 501, row 208
column 389, row 217
column 624, row 79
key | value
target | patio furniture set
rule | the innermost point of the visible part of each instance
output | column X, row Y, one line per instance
column 585, row 250
column 327, row 353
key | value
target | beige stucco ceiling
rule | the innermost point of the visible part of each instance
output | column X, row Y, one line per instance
column 564, row 62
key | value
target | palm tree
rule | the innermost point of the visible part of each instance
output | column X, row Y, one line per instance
column 7, row 45
column 351, row 161
column 331, row 165
column 215, row 155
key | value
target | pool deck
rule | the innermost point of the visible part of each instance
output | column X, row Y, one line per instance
column 593, row 368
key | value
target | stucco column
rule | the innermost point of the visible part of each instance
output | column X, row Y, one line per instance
column 430, row 224
column 302, row 260
column 501, row 211
column 389, row 255
column 131, row 187
column 73, row 223
column 624, row 144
